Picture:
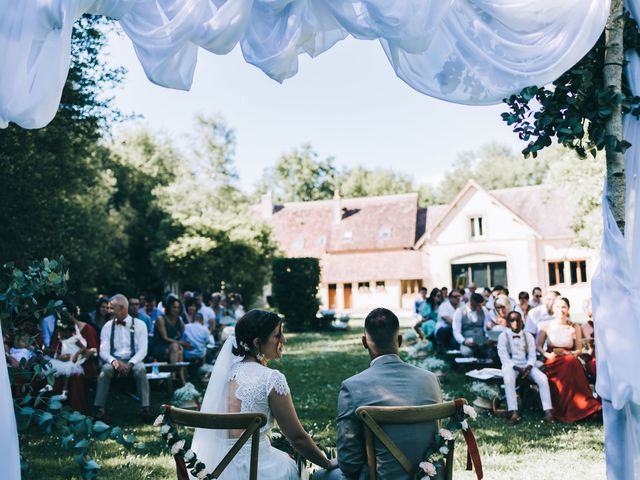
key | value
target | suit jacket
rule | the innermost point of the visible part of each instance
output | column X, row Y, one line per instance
column 388, row 382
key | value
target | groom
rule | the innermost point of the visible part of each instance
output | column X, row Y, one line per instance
column 387, row 382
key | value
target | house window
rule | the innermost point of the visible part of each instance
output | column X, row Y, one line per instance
column 476, row 227
column 299, row 244
column 578, row 270
column 363, row 287
column 409, row 287
column 384, row 233
column 380, row 286
column 556, row 273
column 484, row 274
column 347, row 235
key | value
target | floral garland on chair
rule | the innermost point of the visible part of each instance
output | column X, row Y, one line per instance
column 185, row 458
column 445, row 436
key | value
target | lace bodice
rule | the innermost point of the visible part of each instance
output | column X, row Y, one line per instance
column 254, row 384
column 559, row 335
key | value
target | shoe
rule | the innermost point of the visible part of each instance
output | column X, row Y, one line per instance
column 548, row 417
column 514, row 419
column 102, row 416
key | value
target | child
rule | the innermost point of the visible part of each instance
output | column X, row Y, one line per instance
column 22, row 348
column 517, row 351
column 73, row 352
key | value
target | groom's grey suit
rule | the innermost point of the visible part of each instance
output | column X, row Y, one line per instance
column 387, row 382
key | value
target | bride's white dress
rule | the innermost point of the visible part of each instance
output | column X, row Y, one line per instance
column 253, row 383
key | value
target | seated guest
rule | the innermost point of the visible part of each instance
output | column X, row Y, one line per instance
column 190, row 311
column 22, row 349
column 523, row 306
column 588, row 342
column 425, row 327
column 136, row 311
column 469, row 326
column 571, row 395
column 444, row 327
column 517, row 351
column 123, row 346
column 151, row 310
column 198, row 337
column 536, row 297
column 167, row 344
column 101, row 315
column 502, row 307
column 541, row 314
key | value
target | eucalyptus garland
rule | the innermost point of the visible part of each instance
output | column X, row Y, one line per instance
column 176, row 446
column 434, row 462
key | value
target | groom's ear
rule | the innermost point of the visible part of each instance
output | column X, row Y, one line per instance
column 399, row 341
column 364, row 342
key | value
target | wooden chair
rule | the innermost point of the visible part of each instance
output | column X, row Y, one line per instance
column 249, row 422
column 373, row 417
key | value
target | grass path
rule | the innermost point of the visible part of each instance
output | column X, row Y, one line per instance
column 315, row 364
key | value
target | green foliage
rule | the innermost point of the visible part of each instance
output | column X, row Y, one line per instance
column 24, row 292
column 493, row 166
column 300, row 176
column 576, row 107
column 53, row 190
column 295, row 290
column 362, row 182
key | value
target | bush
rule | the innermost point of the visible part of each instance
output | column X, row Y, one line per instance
column 295, row 290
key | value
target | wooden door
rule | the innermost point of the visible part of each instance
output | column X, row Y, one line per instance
column 347, row 296
column 332, row 296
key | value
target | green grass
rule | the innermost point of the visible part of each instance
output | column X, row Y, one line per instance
column 315, row 364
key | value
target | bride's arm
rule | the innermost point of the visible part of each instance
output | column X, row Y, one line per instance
column 285, row 414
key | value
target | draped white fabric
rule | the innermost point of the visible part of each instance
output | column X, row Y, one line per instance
column 616, row 308
column 464, row 51
column 9, row 453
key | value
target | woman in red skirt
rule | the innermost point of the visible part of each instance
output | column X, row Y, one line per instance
column 571, row 394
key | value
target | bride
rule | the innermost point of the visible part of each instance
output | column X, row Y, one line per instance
column 242, row 382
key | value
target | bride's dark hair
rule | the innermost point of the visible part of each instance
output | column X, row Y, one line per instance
column 254, row 324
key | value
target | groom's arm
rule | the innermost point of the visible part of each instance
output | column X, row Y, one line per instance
column 350, row 442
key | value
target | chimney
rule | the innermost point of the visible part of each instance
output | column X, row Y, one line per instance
column 266, row 205
column 337, row 206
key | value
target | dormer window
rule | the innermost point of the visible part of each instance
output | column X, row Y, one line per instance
column 347, row 235
column 476, row 227
column 384, row 233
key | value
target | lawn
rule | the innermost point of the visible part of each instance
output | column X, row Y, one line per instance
column 315, row 364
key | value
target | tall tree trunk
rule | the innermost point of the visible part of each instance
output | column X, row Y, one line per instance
column 614, row 58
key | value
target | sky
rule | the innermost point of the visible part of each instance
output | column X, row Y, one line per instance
column 347, row 103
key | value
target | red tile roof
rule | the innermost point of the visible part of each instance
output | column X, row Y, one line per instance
column 380, row 265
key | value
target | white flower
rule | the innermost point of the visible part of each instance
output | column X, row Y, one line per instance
column 428, row 468
column 202, row 474
column 446, row 434
column 444, row 450
column 159, row 420
column 176, row 447
column 188, row 455
column 464, row 425
column 470, row 411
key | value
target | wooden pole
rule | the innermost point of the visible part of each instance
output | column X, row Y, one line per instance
column 612, row 73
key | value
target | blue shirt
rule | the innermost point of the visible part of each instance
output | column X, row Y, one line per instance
column 142, row 315
column 198, row 336
column 47, row 327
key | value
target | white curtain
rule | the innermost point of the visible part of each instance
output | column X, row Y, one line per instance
column 9, row 452
column 464, row 51
column 616, row 309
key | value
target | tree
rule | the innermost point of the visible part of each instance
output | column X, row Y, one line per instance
column 300, row 176
column 583, row 108
column 492, row 166
column 209, row 240
column 54, row 191
column 363, row 182
column 295, row 290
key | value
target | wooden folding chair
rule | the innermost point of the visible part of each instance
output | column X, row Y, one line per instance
column 249, row 422
column 373, row 417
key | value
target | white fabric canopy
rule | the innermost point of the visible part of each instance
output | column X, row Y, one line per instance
column 464, row 51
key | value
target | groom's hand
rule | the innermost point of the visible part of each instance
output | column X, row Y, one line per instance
column 332, row 464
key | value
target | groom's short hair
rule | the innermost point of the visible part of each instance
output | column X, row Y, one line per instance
column 383, row 327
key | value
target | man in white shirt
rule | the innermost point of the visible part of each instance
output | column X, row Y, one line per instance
column 469, row 325
column 517, row 352
column 444, row 325
column 541, row 314
column 123, row 347
column 207, row 312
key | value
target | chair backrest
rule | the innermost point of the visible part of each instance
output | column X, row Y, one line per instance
column 249, row 422
column 374, row 417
